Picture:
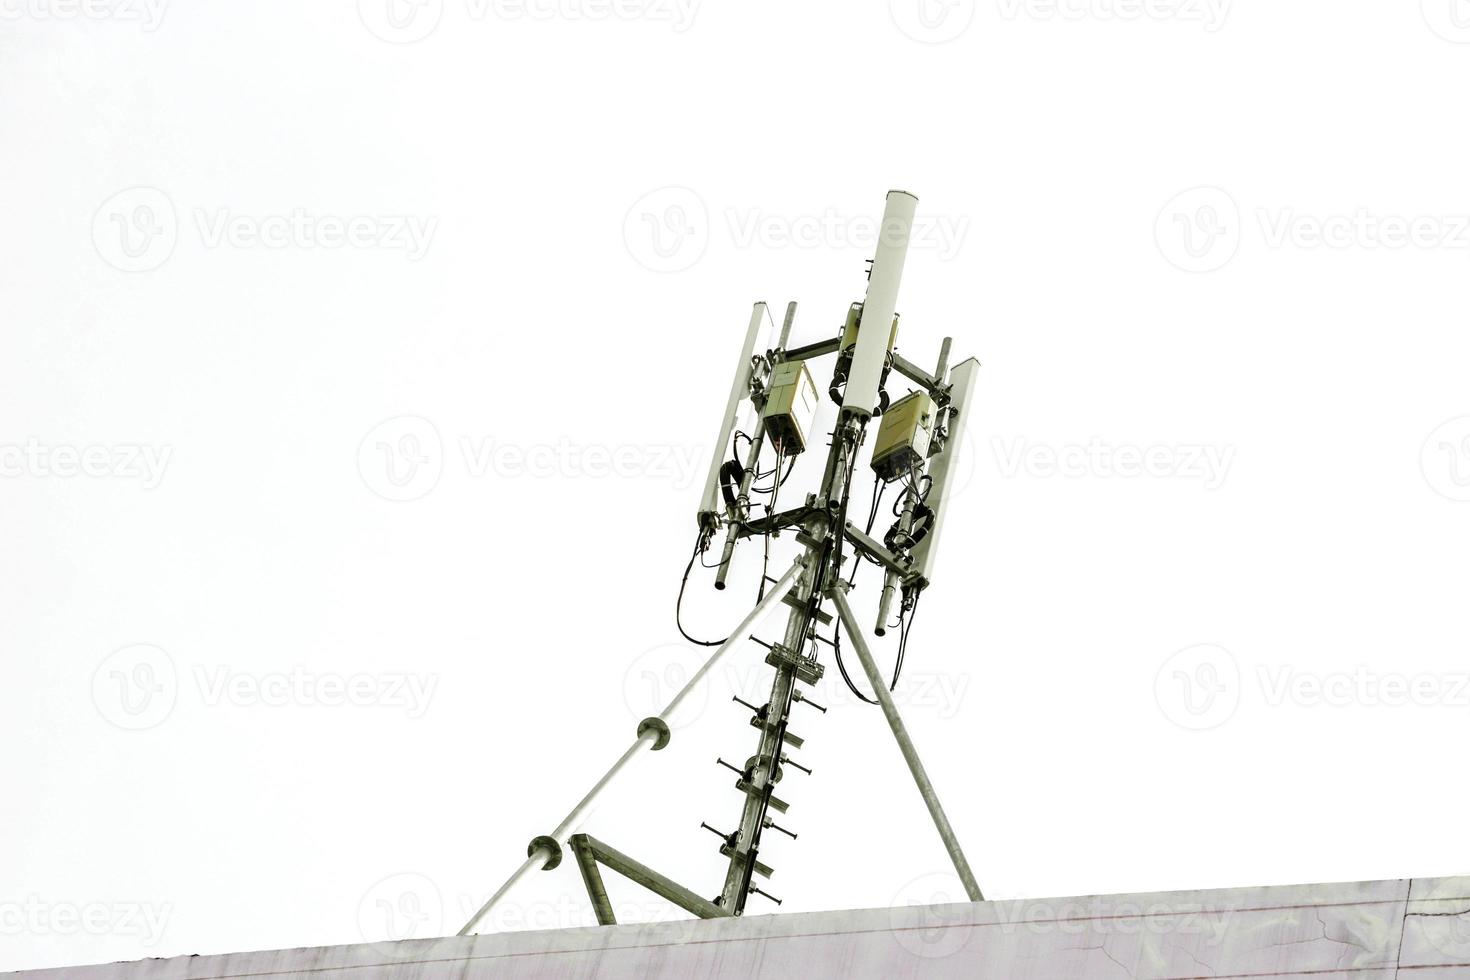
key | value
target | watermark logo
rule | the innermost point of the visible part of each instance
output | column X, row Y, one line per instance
column 1363, row 229
column 1445, row 459
column 407, row 21
column 135, row 230
column 125, row 461
column 1199, row 229
column 37, row 917
column 400, row 907
column 147, row 14
column 1198, row 688
column 1201, row 688
column 483, row 456
column 932, row 21
column 136, row 687
column 670, row 230
column 930, row 692
column 1210, row 14
column 658, row 674
column 1208, row 465
column 941, row 234
column 401, row 459
column 400, row 21
column 654, row 678
column 1361, row 687
column 220, row 684
column 1450, row 19
column 930, row 916
column 667, row 230
column 678, row 14
column 411, row 906
column 299, row 228
column 962, row 461
column 1104, row 917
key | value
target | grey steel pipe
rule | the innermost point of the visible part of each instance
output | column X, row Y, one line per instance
column 885, row 603
column 541, row 854
column 942, row 368
column 906, row 745
column 786, row 326
column 742, row 500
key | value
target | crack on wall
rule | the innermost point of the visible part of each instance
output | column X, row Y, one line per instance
column 1398, row 954
column 1102, row 947
column 1198, row 961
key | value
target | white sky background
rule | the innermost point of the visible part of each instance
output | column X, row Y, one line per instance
column 534, row 314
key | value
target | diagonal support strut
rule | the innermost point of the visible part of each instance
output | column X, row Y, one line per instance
column 591, row 852
column 905, row 744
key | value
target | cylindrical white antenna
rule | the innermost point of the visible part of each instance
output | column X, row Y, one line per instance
column 876, row 326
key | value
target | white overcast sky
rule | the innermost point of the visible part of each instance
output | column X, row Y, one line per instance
column 1199, row 614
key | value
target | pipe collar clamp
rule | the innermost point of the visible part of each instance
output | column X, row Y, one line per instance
column 657, row 725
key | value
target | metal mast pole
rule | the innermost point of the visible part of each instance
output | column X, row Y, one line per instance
column 824, row 531
column 792, row 666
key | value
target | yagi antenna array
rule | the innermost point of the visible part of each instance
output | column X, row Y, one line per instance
column 916, row 440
